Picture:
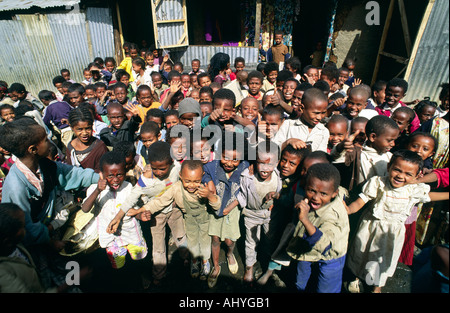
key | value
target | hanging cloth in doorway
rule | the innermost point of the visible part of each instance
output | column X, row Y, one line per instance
column 330, row 36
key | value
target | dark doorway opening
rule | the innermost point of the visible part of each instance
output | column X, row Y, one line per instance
column 312, row 26
column 137, row 22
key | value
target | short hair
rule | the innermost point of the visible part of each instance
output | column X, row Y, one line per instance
column 271, row 109
column 66, row 84
column 115, row 105
column 119, row 85
column 408, row 156
column 46, row 95
column 171, row 113
column 379, row 85
column 112, row 158
column 160, row 151
column 224, row 94
column 206, row 89
column 308, row 67
column 239, row 60
column 191, row 165
column 300, row 153
column 255, row 74
column 398, row 82
column 195, row 60
column 359, row 90
column 155, row 112
column 423, row 134
column 9, row 224
column 140, row 62
column 260, row 67
column 359, row 119
column 99, row 60
column 237, row 140
column 142, row 88
column 313, row 94
column 6, row 106
column 295, row 63
column 121, row 73
column 99, row 85
column 17, row 136
column 23, row 107
column 76, row 87
column 323, row 86
column 110, row 59
column 201, row 75
column 150, row 127
column 127, row 148
column 304, row 86
column 319, row 155
column 173, row 74
column 179, row 64
column 17, row 87
column 325, row 172
column 284, row 75
column 338, row 118
column 80, row 115
column 65, row 70
column 268, row 147
column 270, row 67
column 336, row 96
column 444, row 91
column 215, row 85
column 279, row 32
column 379, row 124
column 58, row 80
column 291, row 80
column 331, row 73
column 410, row 112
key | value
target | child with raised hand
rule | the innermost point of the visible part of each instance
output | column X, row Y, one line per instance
column 104, row 200
column 120, row 129
column 379, row 240
column 307, row 128
column 85, row 150
column 223, row 177
column 321, row 235
column 154, row 182
column 254, row 188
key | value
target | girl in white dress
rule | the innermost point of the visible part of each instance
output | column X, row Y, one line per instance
column 375, row 250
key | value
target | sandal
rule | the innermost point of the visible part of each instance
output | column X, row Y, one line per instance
column 212, row 280
column 233, row 267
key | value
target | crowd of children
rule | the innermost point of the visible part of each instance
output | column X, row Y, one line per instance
column 314, row 171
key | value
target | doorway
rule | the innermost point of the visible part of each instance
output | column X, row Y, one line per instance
column 137, row 22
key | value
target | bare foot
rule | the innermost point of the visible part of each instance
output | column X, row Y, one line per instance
column 248, row 276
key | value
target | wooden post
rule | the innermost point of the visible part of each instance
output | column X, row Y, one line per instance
column 257, row 23
column 383, row 40
column 116, row 33
column 119, row 22
column 422, row 27
column 404, row 19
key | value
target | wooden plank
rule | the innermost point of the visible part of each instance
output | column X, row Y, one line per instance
column 171, row 21
column 185, row 23
column 404, row 20
column 119, row 22
column 397, row 58
column 383, row 40
column 155, row 24
column 422, row 27
column 257, row 23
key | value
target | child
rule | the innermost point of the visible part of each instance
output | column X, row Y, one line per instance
column 311, row 74
column 194, row 94
column 177, row 138
column 249, row 109
column 381, row 233
column 254, row 83
column 322, row 232
column 223, row 176
column 124, row 78
column 6, row 113
column 330, row 75
column 155, row 183
column 185, row 84
column 57, row 82
column 158, row 85
column 202, row 150
column 297, row 98
column 206, row 108
column 179, row 67
column 87, row 77
column 104, row 200
column 126, row 63
column 278, row 52
column 18, row 92
column 171, row 118
column 338, row 128
column 85, row 150
column 98, row 122
column 174, row 79
column 119, row 128
column 203, row 79
column 271, row 72
column 358, row 125
column 75, row 94
column 90, row 93
column 194, row 81
column 149, row 134
column 190, row 113
column 206, row 94
column 142, row 76
column 239, row 64
column 195, row 65
column 442, row 109
column 272, row 118
column 150, row 65
column 254, row 189
column 33, row 180
column 403, row 117
column 110, row 66
column 425, row 110
column 308, row 127
column 65, row 73
column 193, row 198
column 132, row 168
column 145, row 101
column 425, row 145
column 294, row 65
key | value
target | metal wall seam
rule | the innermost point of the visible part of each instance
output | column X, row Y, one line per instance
column 431, row 65
column 101, row 30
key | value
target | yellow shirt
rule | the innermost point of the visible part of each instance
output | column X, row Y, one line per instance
column 143, row 110
column 126, row 65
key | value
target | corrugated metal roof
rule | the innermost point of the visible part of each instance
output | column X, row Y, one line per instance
column 8, row 5
column 431, row 65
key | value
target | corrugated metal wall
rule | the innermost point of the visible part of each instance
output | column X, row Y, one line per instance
column 205, row 53
column 431, row 65
column 36, row 47
column 169, row 34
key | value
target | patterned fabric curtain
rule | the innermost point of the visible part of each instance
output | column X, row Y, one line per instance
column 330, row 36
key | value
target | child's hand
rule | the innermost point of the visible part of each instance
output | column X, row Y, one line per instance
column 271, row 195
column 144, row 216
column 133, row 108
column 296, row 143
column 216, row 115
column 339, row 102
column 175, row 87
column 64, row 121
column 357, row 82
column 166, row 58
column 308, row 79
column 348, row 142
column 102, row 183
column 203, row 191
column 304, row 208
column 113, row 226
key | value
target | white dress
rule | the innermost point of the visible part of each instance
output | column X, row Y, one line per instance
column 376, row 248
